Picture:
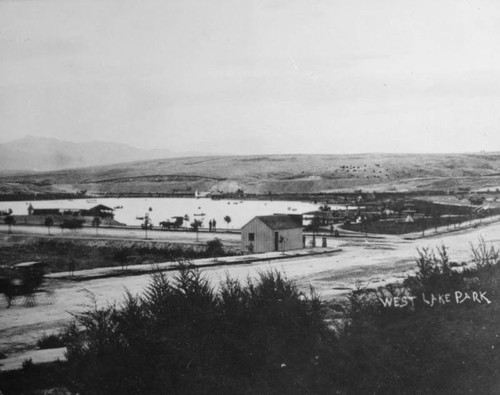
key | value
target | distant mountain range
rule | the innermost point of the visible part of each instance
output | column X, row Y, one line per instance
column 46, row 154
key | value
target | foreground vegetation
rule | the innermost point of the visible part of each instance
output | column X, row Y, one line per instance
column 266, row 337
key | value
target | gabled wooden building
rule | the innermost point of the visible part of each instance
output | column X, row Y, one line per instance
column 268, row 233
column 99, row 210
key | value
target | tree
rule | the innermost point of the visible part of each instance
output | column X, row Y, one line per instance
column 147, row 224
column 178, row 222
column 196, row 225
column 364, row 222
column 436, row 218
column 49, row 222
column 423, row 224
column 10, row 220
column 96, row 222
column 227, row 218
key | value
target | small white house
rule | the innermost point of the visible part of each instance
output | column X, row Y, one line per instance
column 268, row 233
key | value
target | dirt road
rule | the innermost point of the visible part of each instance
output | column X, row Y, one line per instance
column 373, row 262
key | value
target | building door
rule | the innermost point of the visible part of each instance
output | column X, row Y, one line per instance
column 276, row 241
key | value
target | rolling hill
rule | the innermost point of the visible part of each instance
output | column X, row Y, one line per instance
column 271, row 173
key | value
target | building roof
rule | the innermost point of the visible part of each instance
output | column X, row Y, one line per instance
column 277, row 221
column 101, row 207
column 64, row 206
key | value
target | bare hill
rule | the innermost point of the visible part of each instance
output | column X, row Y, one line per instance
column 45, row 154
column 273, row 173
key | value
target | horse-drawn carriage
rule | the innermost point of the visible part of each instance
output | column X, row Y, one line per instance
column 167, row 225
column 24, row 280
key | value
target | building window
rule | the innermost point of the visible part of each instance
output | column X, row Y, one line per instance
column 251, row 237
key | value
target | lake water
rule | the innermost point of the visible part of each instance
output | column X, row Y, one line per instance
column 240, row 211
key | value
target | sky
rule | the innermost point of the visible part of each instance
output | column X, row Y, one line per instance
column 254, row 76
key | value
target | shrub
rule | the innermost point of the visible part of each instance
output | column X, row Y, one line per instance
column 267, row 337
column 182, row 336
column 422, row 349
column 434, row 272
column 28, row 365
column 72, row 223
column 484, row 256
column 53, row 340
column 215, row 248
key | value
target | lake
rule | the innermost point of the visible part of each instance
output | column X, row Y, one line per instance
column 240, row 211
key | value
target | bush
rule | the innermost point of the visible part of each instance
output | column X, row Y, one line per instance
column 443, row 349
column 484, row 256
column 434, row 273
column 53, row 340
column 215, row 248
column 266, row 337
column 28, row 365
column 182, row 336
column 72, row 223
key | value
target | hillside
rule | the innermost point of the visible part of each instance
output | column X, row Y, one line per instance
column 273, row 173
column 46, row 154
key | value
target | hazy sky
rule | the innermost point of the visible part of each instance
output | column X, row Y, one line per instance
column 254, row 76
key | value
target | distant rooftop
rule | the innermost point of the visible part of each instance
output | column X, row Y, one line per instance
column 70, row 206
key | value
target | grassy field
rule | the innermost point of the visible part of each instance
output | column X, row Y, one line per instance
column 392, row 227
column 60, row 255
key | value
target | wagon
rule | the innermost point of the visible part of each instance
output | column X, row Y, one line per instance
column 24, row 280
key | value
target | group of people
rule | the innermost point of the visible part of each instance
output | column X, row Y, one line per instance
column 212, row 225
